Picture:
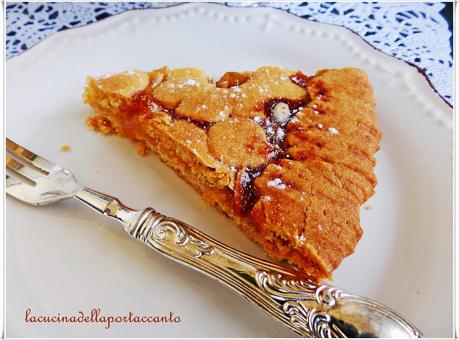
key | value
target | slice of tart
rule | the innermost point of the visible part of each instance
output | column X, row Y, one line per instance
column 288, row 157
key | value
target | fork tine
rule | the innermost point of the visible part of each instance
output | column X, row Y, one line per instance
column 27, row 155
column 20, row 190
column 10, row 181
column 24, row 171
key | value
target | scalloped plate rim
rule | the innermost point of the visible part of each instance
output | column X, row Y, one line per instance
column 441, row 111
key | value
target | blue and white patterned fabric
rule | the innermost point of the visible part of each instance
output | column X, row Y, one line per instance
column 413, row 32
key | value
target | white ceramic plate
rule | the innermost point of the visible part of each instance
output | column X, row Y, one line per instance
column 64, row 258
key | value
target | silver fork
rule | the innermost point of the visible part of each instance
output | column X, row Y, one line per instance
column 309, row 308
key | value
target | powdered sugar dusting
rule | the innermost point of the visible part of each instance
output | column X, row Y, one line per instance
column 276, row 183
column 280, row 133
column 333, row 131
column 301, row 239
column 263, row 89
column 191, row 82
column 155, row 107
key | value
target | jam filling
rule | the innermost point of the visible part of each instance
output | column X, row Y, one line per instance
column 245, row 193
column 145, row 102
column 300, row 79
column 275, row 133
column 231, row 79
column 275, row 129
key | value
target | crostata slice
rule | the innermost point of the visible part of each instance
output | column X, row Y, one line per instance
column 288, row 157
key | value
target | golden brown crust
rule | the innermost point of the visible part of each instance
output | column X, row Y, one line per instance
column 293, row 175
column 239, row 142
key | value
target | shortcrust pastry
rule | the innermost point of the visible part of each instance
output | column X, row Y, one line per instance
column 288, row 157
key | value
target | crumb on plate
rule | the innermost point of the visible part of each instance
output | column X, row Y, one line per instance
column 65, row 148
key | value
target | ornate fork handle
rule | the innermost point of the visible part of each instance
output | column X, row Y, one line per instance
column 308, row 308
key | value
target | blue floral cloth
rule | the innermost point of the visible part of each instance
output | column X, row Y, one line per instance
column 414, row 32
